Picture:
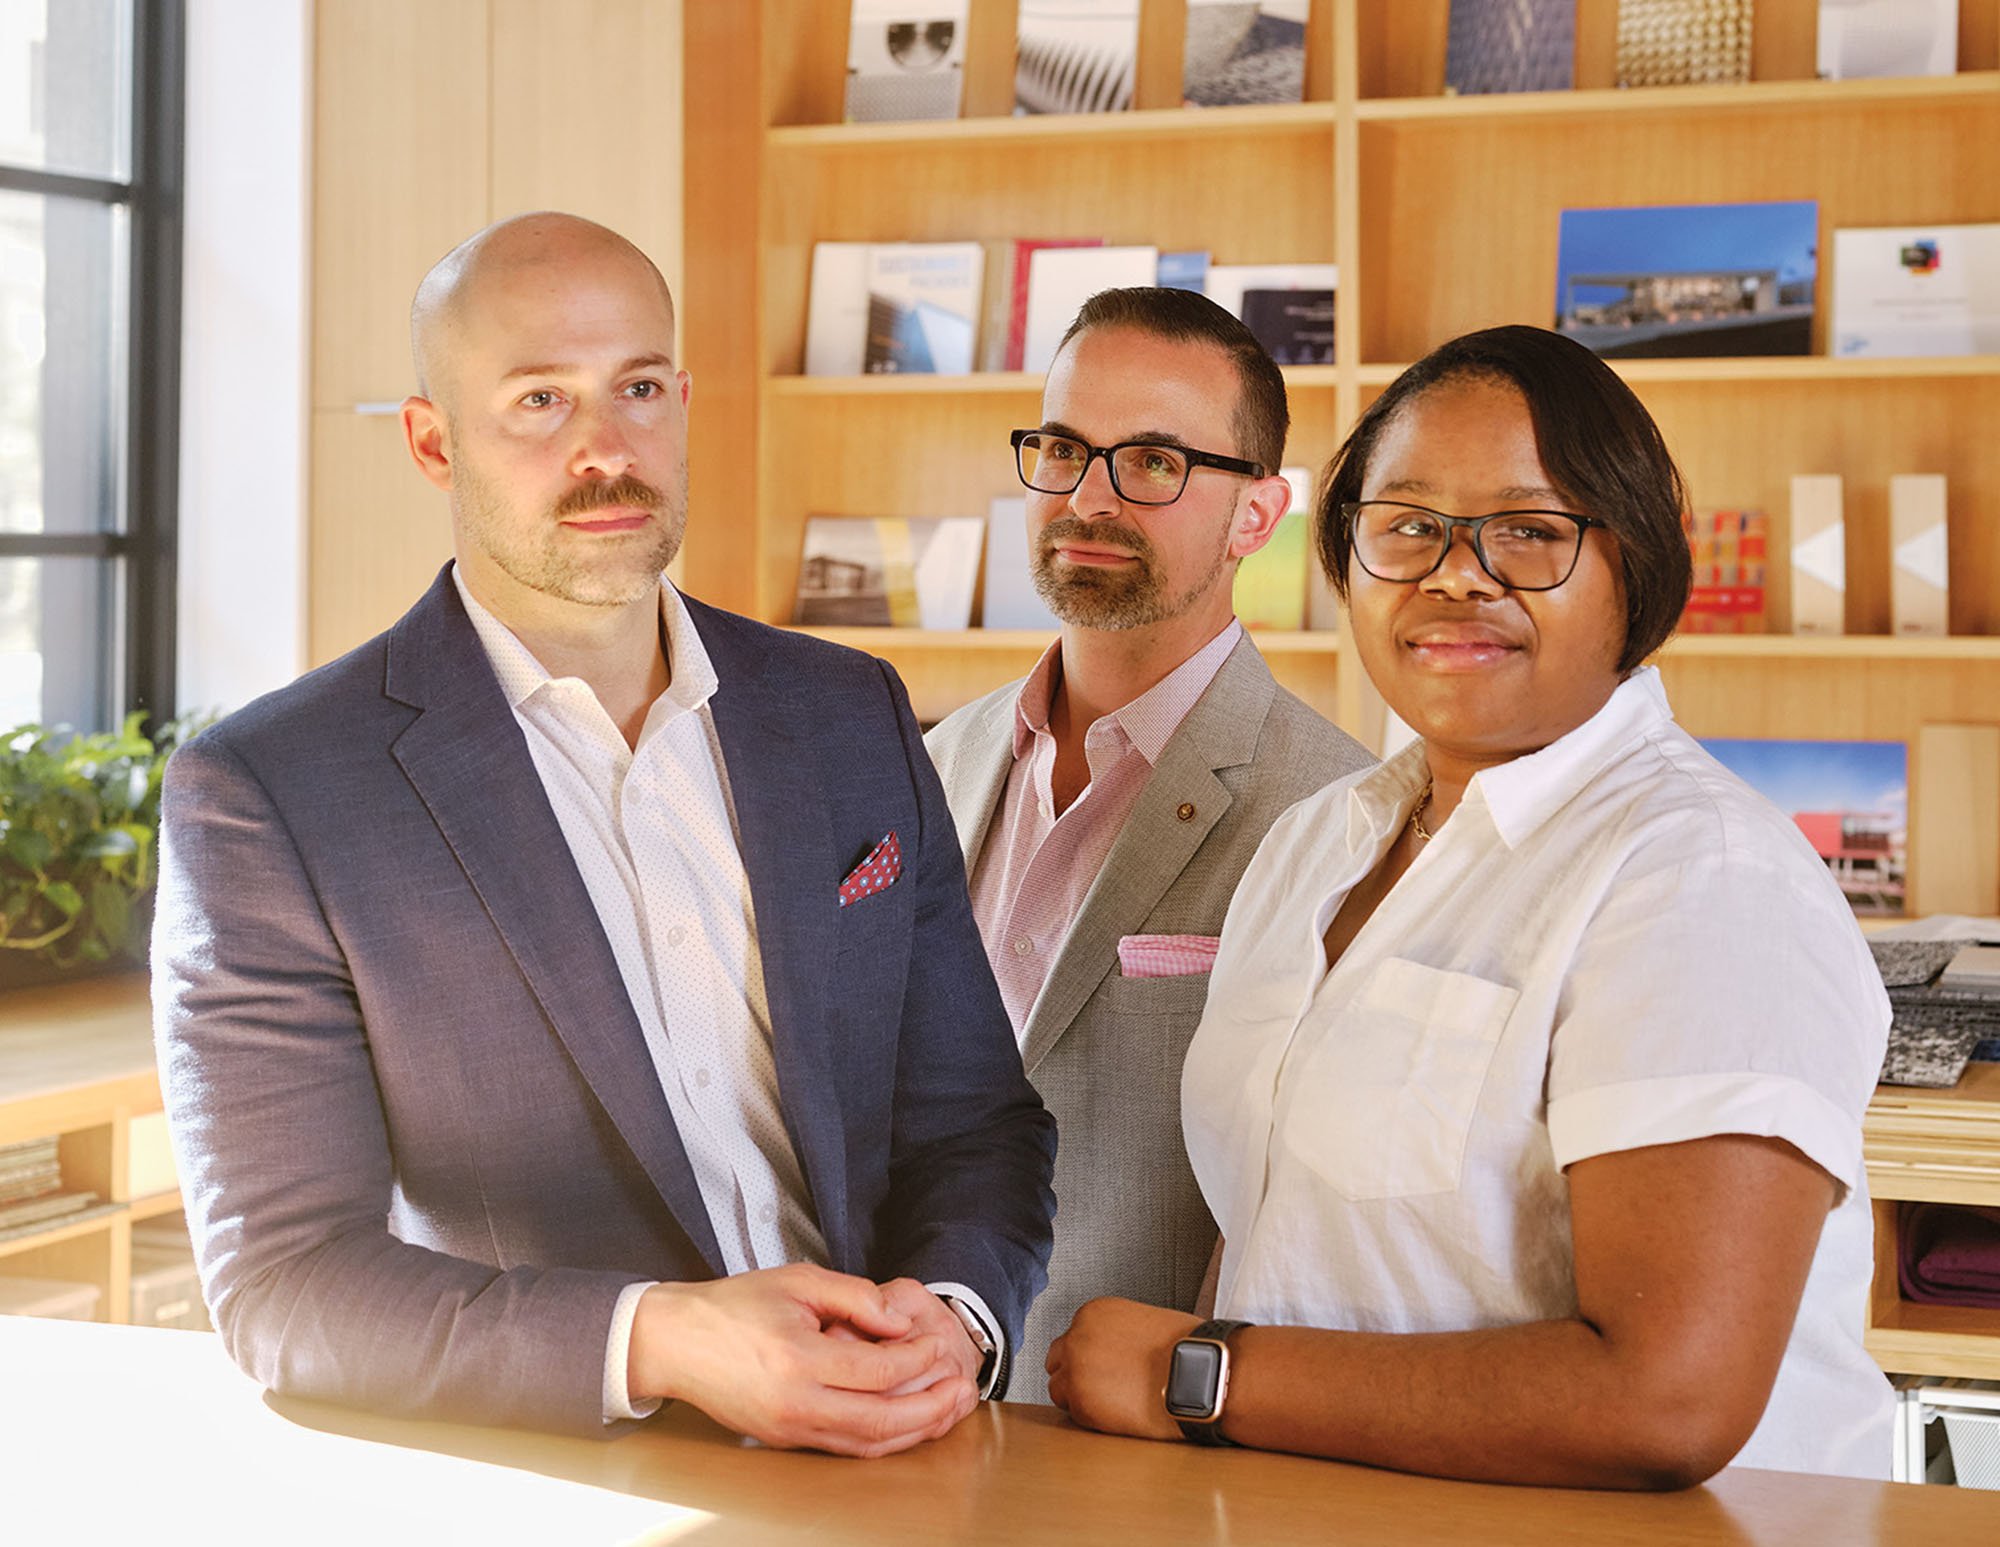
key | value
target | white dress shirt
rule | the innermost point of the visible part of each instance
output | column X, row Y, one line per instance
column 1611, row 943
column 652, row 829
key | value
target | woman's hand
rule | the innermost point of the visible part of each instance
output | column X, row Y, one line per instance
column 1109, row 1371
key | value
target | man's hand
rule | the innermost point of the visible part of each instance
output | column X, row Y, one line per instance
column 931, row 1317
column 1109, row 1371
column 800, row 1357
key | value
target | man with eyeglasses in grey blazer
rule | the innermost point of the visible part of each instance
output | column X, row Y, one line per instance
column 1109, row 801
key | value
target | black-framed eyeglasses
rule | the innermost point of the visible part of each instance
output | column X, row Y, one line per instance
column 1523, row 550
column 1143, row 472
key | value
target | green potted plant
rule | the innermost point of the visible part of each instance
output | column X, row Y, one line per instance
column 79, row 817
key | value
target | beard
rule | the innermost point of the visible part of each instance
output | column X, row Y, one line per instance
column 534, row 553
column 1130, row 596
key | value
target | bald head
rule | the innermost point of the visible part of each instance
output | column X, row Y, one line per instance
column 522, row 253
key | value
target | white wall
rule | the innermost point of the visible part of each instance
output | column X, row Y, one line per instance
column 244, row 330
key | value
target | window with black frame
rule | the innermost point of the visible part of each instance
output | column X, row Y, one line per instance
column 90, row 191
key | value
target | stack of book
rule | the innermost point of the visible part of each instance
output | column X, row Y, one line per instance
column 31, row 1190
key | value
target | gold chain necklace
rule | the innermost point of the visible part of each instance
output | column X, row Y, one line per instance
column 1417, row 813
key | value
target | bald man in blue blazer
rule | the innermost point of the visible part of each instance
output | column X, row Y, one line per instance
column 569, row 1001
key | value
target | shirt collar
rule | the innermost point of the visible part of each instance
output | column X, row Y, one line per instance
column 1521, row 795
column 693, row 680
column 1148, row 721
column 1525, row 793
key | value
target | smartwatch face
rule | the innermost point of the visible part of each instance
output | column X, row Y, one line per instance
column 1192, row 1379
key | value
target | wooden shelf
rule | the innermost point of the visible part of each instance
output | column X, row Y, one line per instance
column 76, row 1061
column 979, row 383
column 1769, row 368
column 1834, row 647
column 153, row 1205
column 1156, row 124
column 1909, row 1339
column 1490, row 110
column 877, row 641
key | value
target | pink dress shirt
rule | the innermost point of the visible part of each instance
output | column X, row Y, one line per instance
column 1035, row 868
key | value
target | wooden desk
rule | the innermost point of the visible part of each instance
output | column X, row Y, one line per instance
column 135, row 1434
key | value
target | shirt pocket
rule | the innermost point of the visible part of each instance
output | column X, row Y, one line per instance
column 1386, row 1095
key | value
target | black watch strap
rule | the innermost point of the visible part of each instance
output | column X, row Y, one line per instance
column 1210, row 1432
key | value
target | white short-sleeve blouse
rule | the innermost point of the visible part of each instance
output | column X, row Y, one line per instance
column 1612, row 943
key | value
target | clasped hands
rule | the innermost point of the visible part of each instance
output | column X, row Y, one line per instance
column 801, row 1357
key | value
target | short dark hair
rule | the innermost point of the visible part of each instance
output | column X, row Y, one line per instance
column 1262, row 415
column 1597, row 442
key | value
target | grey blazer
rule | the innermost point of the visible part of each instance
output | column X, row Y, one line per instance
column 1105, row 1050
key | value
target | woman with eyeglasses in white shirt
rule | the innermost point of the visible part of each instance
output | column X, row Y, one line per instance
column 1528, row 1096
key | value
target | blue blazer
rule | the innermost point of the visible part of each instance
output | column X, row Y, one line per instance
column 422, row 1142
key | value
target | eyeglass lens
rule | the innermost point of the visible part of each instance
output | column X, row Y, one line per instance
column 1143, row 475
column 1525, row 550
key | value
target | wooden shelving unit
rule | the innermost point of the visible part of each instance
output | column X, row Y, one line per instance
column 1442, row 214
column 1932, row 1146
column 77, row 1062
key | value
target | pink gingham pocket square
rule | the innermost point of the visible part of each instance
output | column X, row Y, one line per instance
column 1166, row 956
column 875, row 873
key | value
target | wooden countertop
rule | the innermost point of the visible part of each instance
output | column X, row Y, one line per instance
column 71, row 1051
column 136, row 1434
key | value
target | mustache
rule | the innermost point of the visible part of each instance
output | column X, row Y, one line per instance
column 622, row 490
column 1106, row 533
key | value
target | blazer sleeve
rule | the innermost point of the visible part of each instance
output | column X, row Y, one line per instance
column 284, row 1154
column 973, row 1149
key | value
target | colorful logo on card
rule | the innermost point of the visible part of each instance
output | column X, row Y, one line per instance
column 1919, row 257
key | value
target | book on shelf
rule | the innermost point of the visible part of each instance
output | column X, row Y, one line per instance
column 1289, row 306
column 1683, row 42
column 1731, row 550
column 1683, row 280
column 1864, row 39
column 1061, row 279
column 1010, row 599
column 1075, row 56
column 893, row 307
column 905, row 61
column 1240, row 51
column 1006, row 332
column 1510, row 45
column 888, row 571
column 1916, row 290
column 1183, row 271
column 1851, row 800
column 1270, row 587
column 44, row 1209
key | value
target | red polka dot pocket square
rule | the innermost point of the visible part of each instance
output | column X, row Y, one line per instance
column 875, row 873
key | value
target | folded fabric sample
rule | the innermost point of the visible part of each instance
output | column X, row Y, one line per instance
column 1166, row 956
column 1949, row 1254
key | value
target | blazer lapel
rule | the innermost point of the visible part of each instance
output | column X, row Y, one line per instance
column 787, row 854
column 470, row 764
column 976, row 773
column 1156, row 842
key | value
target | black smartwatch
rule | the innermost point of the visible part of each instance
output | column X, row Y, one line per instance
column 1198, row 1381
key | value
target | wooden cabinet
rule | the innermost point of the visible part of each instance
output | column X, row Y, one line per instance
column 1931, row 1146
column 77, row 1062
column 430, row 121
column 1442, row 214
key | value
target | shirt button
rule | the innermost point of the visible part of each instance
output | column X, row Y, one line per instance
column 768, row 1212
column 1023, row 946
column 701, row 1078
